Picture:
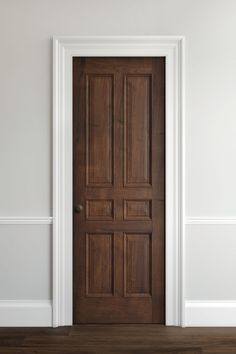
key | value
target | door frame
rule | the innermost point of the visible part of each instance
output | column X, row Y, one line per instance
column 64, row 49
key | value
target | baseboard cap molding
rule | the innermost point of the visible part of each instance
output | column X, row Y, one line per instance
column 25, row 313
column 210, row 314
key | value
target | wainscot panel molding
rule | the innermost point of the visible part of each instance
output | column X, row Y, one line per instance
column 210, row 313
column 210, row 221
column 25, row 313
column 23, row 220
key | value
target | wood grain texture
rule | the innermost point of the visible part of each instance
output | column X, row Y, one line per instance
column 137, row 270
column 137, row 209
column 99, row 130
column 119, row 164
column 118, row 339
column 99, row 265
column 99, row 209
column 137, row 130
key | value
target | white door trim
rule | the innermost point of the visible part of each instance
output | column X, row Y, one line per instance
column 64, row 48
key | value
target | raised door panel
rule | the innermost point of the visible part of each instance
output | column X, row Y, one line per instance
column 99, row 130
column 137, row 264
column 99, row 265
column 137, row 130
column 137, row 210
column 99, row 209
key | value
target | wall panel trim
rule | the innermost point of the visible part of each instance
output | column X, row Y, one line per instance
column 23, row 220
column 25, row 313
column 64, row 49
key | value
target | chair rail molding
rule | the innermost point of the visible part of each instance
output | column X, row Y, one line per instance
column 210, row 220
column 64, row 49
column 26, row 220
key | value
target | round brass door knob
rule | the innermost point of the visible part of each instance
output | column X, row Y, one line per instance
column 79, row 208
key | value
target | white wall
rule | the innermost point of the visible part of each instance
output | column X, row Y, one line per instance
column 26, row 28
column 25, row 255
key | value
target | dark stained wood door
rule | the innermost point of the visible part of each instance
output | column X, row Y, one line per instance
column 119, row 193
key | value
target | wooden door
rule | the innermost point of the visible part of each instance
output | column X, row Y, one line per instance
column 119, row 194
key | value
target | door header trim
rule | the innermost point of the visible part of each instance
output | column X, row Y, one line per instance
column 64, row 49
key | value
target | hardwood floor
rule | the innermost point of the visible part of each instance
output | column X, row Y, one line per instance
column 117, row 339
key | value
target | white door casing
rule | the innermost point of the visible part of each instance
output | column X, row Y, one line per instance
column 64, row 49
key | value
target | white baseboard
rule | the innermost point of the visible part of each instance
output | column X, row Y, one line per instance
column 210, row 313
column 25, row 313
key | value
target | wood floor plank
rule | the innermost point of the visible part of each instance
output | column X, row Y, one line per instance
column 118, row 339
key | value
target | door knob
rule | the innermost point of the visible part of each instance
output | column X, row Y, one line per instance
column 79, row 208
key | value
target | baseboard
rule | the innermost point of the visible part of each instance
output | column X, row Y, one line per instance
column 32, row 313
column 25, row 313
column 210, row 313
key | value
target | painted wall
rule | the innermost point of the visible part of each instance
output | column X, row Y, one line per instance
column 26, row 28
